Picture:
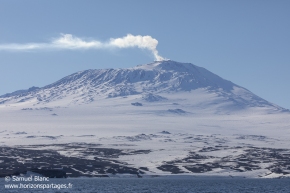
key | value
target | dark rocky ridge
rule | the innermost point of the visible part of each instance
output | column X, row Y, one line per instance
column 50, row 163
column 16, row 161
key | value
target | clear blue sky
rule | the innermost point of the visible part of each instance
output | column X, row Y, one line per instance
column 246, row 42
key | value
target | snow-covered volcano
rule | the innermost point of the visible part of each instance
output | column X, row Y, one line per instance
column 149, row 82
column 160, row 118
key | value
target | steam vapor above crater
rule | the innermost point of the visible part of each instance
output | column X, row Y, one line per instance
column 145, row 42
column 70, row 42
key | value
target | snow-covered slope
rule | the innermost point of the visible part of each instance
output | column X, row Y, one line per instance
column 149, row 80
column 167, row 117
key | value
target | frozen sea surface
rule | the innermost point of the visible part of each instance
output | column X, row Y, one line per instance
column 170, row 185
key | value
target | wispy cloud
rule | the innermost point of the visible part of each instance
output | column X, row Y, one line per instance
column 68, row 41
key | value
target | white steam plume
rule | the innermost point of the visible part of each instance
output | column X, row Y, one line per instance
column 68, row 41
column 146, row 42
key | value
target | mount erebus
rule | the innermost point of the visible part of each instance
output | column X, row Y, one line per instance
column 160, row 118
column 145, row 81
